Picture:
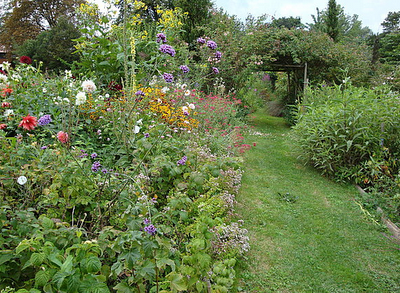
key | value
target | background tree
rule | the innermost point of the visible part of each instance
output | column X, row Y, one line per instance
column 332, row 20
column 287, row 22
column 391, row 23
column 53, row 47
column 29, row 17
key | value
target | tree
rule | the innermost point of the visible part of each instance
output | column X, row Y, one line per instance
column 391, row 22
column 53, row 47
column 29, row 17
column 332, row 20
column 287, row 22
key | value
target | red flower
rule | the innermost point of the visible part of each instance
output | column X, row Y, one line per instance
column 25, row 59
column 6, row 91
column 62, row 136
column 28, row 122
column 6, row 105
column 3, row 126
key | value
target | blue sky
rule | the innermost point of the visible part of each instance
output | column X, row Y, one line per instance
column 370, row 12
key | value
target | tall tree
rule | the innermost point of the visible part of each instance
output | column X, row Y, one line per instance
column 287, row 22
column 391, row 22
column 332, row 20
column 29, row 17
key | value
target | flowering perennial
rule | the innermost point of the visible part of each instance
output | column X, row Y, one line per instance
column 88, row 86
column 62, row 136
column 44, row 120
column 168, row 77
column 161, row 38
column 184, row 68
column 25, row 59
column 182, row 161
column 167, row 49
column 28, row 122
column 212, row 45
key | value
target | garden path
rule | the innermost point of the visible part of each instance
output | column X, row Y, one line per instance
column 307, row 233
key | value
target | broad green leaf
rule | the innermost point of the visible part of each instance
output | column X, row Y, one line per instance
column 37, row 258
column 24, row 244
column 42, row 277
column 5, row 258
column 123, row 288
column 67, row 265
column 148, row 269
column 91, row 264
column 47, row 223
column 177, row 282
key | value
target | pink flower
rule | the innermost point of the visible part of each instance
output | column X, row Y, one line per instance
column 62, row 136
column 28, row 122
column 25, row 59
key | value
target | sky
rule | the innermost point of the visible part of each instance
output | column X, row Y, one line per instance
column 371, row 12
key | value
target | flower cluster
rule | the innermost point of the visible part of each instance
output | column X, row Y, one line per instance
column 62, row 136
column 44, row 120
column 201, row 41
column 212, row 45
column 161, row 38
column 182, row 161
column 167, row 49
column 184, row 68
column 96, row 166
column 150, row 229
column 168, row 77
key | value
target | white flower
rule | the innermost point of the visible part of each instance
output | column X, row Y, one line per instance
column 80, row 98
column 192, row 106
column 137, row 129
column 184, row 86
column 44, row 90
column 65, row 100
column 164, row 90
column 88, row 86
column 139, row 122
column 107, row 96
column 22, row 180
column 5, row 65
column 68, row 74
column 16, row 77
column 8, row 112
column 3, row 78
column 187, row 93
column 185, row 109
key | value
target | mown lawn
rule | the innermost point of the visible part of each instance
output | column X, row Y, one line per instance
column 308, row 234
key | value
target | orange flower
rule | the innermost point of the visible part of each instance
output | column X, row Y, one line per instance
column 28, row 122
column 3, row 126
column 6, row 91
column 62, row 136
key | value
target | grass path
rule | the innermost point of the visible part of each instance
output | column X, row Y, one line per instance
column 307, row 233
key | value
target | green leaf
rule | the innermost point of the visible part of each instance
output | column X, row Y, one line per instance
column 91, row 264
column 177, row 282
column 37, row 258
column 67, row 265
column 123, row 288
column 148, row 269
column 47, row 223
column 5, row 258
column 24, row 244
column 42, row 277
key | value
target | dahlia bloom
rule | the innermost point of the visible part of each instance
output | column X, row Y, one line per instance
column 88, row 86
column 25, row 59
column 62, row 136
column 80, row 98
column 28, row 122
column 3, row 126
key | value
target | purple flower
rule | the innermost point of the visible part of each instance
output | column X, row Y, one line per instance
column 201, row 41
column 161, row 38
column 167, row 49
column 96, row 166
column 44, row 120
column 44, row 147
column 150, row 229
column 218, row 55
column 182, row 161
column 212, row 45
column 168, row 77
column 184, row 68
column 146, row 135
column 104, row 170
column 140, row 93
column 146, row 221
column 93, row 156
column 215, row 70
